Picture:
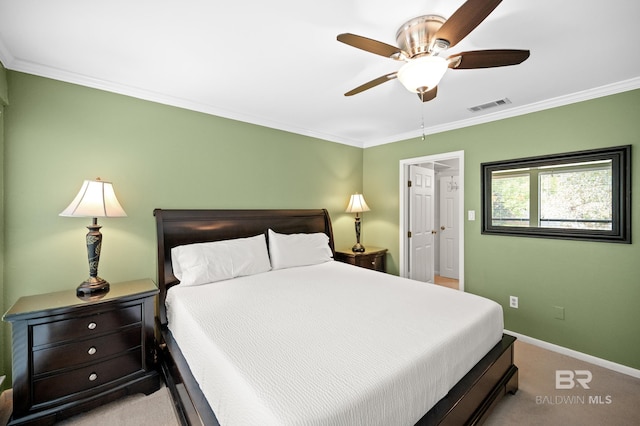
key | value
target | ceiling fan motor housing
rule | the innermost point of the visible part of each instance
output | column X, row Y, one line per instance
column 416, row 37
column 421, row 41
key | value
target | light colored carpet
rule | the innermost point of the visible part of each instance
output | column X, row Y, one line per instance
column 613, row 398
column 136, row 410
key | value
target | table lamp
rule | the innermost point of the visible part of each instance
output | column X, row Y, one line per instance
column 95, row 199
column 357, row 205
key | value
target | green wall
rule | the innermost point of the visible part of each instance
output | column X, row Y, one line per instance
column 598, row 284
column 4, row 100
column 58, row 134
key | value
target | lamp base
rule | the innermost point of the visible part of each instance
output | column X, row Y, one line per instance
column 92, row 286
column 358, row 248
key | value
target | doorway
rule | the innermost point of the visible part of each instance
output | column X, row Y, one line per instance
column 438, row 252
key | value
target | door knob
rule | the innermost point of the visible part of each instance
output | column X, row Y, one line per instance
column 442, row 228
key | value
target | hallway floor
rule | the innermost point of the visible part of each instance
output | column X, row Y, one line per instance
column 446, row 282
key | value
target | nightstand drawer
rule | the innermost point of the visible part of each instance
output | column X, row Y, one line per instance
column 81, row 352
column 70, row 382
column 371, row 262
column 82, row 327
column 372, row 258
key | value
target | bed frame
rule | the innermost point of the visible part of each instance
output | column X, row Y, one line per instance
column 469, row 402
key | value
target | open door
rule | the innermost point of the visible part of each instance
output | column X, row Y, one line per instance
column 449, row 227
column 446, row 166
column 421, row 219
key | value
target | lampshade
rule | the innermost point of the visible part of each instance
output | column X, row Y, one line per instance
column 357, row 204
column 423, row 73
column 95, row 199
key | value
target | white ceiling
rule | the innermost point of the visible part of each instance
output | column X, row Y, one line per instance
column 277, row 63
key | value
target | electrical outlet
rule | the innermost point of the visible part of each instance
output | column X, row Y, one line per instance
column 513, row 301
column 558, row 312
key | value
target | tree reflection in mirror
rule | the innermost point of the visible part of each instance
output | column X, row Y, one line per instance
column 579, row 195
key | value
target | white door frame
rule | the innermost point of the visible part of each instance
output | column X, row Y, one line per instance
column 404, row 222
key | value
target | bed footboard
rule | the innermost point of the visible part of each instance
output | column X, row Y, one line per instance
column 473, row 398
column 469, row 402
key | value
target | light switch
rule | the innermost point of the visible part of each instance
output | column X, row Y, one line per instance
column 472, row 214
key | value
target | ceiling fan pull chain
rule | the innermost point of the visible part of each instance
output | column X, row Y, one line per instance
column 422, row 125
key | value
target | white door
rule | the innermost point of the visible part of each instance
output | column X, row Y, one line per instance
column 421, row 250
column 449, row 227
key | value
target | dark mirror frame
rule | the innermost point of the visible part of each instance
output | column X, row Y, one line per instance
column 620, row 157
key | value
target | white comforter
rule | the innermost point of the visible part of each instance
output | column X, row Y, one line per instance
column 329, row 344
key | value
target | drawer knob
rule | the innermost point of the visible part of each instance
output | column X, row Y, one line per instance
column 92, row 350
column 93, row 377
column 92, row 325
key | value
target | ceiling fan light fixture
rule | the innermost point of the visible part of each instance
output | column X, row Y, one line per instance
column 423, row 72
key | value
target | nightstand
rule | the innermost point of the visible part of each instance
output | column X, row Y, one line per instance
column 70, row 355
column 372, row 258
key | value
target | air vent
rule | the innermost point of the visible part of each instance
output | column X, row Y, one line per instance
column 488, row 105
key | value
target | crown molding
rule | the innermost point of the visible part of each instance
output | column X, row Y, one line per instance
column 148, row 95
column 14, row 64
column 585, row 95
column 6, row 57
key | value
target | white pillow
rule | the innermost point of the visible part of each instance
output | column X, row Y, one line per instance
column 202, row 263
column 289, row 250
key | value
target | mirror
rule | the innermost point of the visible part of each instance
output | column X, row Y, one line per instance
column 582, row 195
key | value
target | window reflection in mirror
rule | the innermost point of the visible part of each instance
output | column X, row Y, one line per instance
column 581, row 195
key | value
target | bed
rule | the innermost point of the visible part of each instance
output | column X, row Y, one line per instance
column 316, row 343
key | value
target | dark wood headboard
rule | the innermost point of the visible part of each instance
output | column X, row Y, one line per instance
column 180, row 227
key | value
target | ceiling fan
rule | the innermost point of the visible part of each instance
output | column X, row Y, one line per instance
column 421, row 42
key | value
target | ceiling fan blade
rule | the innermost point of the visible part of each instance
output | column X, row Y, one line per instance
column 465, row 19
column 428, row 95
column 487, row 58
column 373, row 46
column 372, row 83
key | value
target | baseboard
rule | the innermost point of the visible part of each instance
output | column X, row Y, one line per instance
column 578, row 355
